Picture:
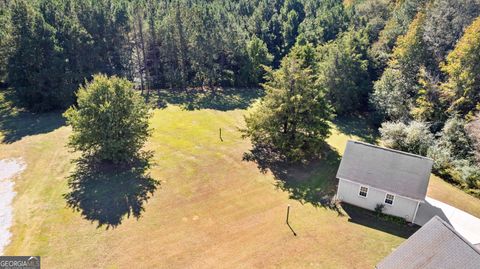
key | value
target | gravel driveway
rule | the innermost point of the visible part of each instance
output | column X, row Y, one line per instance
column 9, row 168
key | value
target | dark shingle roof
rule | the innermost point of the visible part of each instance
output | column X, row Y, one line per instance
column 435, row 245
column 395, row 171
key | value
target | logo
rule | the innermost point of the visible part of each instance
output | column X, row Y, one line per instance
column 19, row 262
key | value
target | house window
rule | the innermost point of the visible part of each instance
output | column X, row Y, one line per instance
column 363, row 191
column 389, row 199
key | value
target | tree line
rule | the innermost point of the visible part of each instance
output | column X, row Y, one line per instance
column 412, row 65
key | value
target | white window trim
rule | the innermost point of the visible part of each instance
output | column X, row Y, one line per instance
column 393, row 200
column 360, row 188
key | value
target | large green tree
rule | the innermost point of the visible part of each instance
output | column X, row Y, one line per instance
column 35, row 67
column 463, row 70
column 110, row 121
column 293, row 117
column 258, row 57
column 395, row 91
column 343, row 72
column 5, row 39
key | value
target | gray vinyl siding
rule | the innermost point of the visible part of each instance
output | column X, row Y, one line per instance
column 402, row 207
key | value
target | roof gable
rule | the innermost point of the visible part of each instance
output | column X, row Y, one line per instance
column 395, row 171
column 435, row 245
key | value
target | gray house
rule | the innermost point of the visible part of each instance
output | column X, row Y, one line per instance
column 369, row 175
column 435, row 245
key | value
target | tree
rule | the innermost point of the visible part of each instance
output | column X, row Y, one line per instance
column 392, row 95
column 110, row 121
column 291, row 15
column 463, row 69
column 402, row 15
column 324, row 21
column 445, row 23
column 409, row 52
column 374, row 14
column 395, row 91
column 343, row 72
column 454, row 139
column 431, row 102
column 292, row 118
column 453, row 154
column 414, row 137
column 5, row 40
column 35, row 66
column 258, row 56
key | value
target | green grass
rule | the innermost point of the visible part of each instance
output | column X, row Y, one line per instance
column 212, row 209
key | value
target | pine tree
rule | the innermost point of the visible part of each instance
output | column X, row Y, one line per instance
column 343, row 72
column 35, row 68
column 292, row 118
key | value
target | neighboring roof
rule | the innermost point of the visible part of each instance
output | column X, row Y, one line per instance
column 465, row 224
column 391, row 170
column 435, row 245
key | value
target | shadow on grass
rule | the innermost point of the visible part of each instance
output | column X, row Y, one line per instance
column 223, row 99
column 106, row 193
column 360, row 125
column 369, row 219
column 313, row 182
column 16, row 123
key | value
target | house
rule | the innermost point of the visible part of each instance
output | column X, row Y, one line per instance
column 435, row 245
column 370, row 175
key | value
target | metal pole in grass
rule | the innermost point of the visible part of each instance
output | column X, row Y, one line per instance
column 288, row 215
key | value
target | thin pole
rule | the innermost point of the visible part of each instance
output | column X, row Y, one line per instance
column 288, row 212
column 288, row 224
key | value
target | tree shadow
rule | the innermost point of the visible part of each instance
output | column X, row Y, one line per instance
column 222, row 99
column 106, row 193
column 311, row 182
column 16, row 123
column 369, row 219
column 362, row 126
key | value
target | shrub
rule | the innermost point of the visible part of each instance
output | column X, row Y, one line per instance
column 379, row 208
column 454, row 139
column 414, row 137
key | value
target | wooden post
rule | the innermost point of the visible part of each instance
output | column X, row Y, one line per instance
column 220, row 134
column 288, row 212
column 288, row 224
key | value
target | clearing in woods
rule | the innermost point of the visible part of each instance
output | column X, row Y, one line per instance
column 212, row 209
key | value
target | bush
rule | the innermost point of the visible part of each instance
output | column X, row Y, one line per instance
column 454, row 139
column 379, row 208
column 462, row 171
column 414, row 137
column 110, row 121
column 468, row 174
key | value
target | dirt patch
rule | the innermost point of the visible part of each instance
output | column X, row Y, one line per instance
column 9, row 168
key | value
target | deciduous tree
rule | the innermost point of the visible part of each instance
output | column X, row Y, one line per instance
column 110, row 121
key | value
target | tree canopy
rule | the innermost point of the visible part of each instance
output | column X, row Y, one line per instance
column 292, row 118
column 110, row 121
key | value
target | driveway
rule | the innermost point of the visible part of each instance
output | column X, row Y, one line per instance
column 465, row 224
column 8, row 170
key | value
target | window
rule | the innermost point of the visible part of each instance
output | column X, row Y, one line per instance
column 389, row 199
column 363, row 191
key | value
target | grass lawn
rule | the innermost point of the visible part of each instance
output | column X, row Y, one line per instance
column 211, row 210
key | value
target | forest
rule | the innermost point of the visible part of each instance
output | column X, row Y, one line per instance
column 410, row 66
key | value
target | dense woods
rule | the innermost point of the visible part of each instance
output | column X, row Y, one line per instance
column 412, row 65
